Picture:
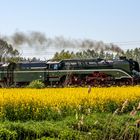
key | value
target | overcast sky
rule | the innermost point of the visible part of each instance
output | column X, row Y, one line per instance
column 106, row 20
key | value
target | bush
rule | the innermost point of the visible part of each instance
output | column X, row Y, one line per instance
column 6, row 134
column 36, row 84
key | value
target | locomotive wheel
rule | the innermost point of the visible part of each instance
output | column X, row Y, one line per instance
column 72, row 80
column 94, row 83
column 65, row 81
column 124, row 82
column 62, row 82
column 99, row 79
column 76, row 80
column 128, row 82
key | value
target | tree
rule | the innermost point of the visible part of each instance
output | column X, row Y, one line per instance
column 7, row 51
column 91, row 53
column 86, row 54
column 63, row 55
column 133, row 54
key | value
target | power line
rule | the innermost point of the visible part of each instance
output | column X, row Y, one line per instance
column 128, row 43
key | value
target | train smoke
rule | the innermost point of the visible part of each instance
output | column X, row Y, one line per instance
column 37, row 39
column 31, row 39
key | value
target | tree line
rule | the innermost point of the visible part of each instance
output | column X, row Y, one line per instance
column 91, row 53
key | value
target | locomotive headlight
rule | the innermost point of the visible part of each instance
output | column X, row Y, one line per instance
column 40, row 76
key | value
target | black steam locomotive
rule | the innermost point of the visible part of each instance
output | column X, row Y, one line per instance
column 75, row 72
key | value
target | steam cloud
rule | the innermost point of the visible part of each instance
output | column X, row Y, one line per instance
column 37, row 39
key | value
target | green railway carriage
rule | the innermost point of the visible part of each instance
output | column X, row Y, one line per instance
column 79, row 72
column 24, row 73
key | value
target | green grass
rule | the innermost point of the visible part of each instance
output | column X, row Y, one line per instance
column 96, row 126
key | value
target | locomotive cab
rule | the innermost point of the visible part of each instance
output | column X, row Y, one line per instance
column 134, row 65
column 53, row 66
column 52, row 74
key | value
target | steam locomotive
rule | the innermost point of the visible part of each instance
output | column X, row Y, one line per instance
column 71, row 72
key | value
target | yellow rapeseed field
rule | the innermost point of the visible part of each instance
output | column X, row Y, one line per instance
column 34, row 103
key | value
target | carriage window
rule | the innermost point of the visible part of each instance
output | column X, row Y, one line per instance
column 73, row 63
column 54, row 66
column 92, row 63
column 32, row 65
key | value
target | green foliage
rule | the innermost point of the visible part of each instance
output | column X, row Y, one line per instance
column 91, row 53
column 7, row 51
column 97, row 126
column 38, row 130
column 86, row 54
column 6, row 134
column 133, row 54
column 13, row 59
column 63, row 55
column 36, row 84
